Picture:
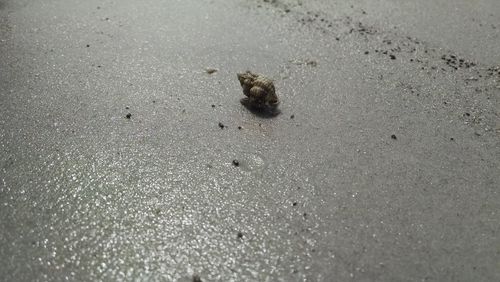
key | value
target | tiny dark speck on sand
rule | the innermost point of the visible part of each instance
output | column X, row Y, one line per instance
column 127, row 107
column 367, row 52
column 221, row 125
column 128, row 115
column 394, row 137
column 392, row 57
column 211, row 71
column 236, row 163
column 452, row 138
column 311, row 63
column 292, row 116
column 239, row 127
column 213, row 106
column 240, row 235
column 88, row 45
column 294, row 204
column 196, row 278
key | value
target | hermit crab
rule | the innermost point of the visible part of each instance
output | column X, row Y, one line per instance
column 259, row 91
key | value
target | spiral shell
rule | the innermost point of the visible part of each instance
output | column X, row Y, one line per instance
column 259, row 89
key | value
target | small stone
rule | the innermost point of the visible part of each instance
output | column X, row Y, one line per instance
column 88, row 45
column 221, row 125
column 128, row 116
column 292, row 116
column 196, row 278
column 367, row 52
column 294, row 204
column 213, row 106
column 240, row 234
column 236, row 163
column 392, row 57
column 239, row 127
column 393, row 136
column 211, row 71
column 127, row 107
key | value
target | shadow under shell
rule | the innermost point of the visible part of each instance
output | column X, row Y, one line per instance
column 261, row 110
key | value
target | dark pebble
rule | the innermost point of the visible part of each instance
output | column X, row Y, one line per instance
column 240, row 235
column 467, row 114
column 213, row 106
column 367, row 52
column 394, row 137
column 294, row 204
column 128, row 115
column 239, row 127
column 236, row 163
column 196, row 278
column 392, row 57
column 127, row 107
column 287, row 10
column 452, row 139
column 211, row 71
column 88, row 45
column 221, row 125
column 292, row 116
